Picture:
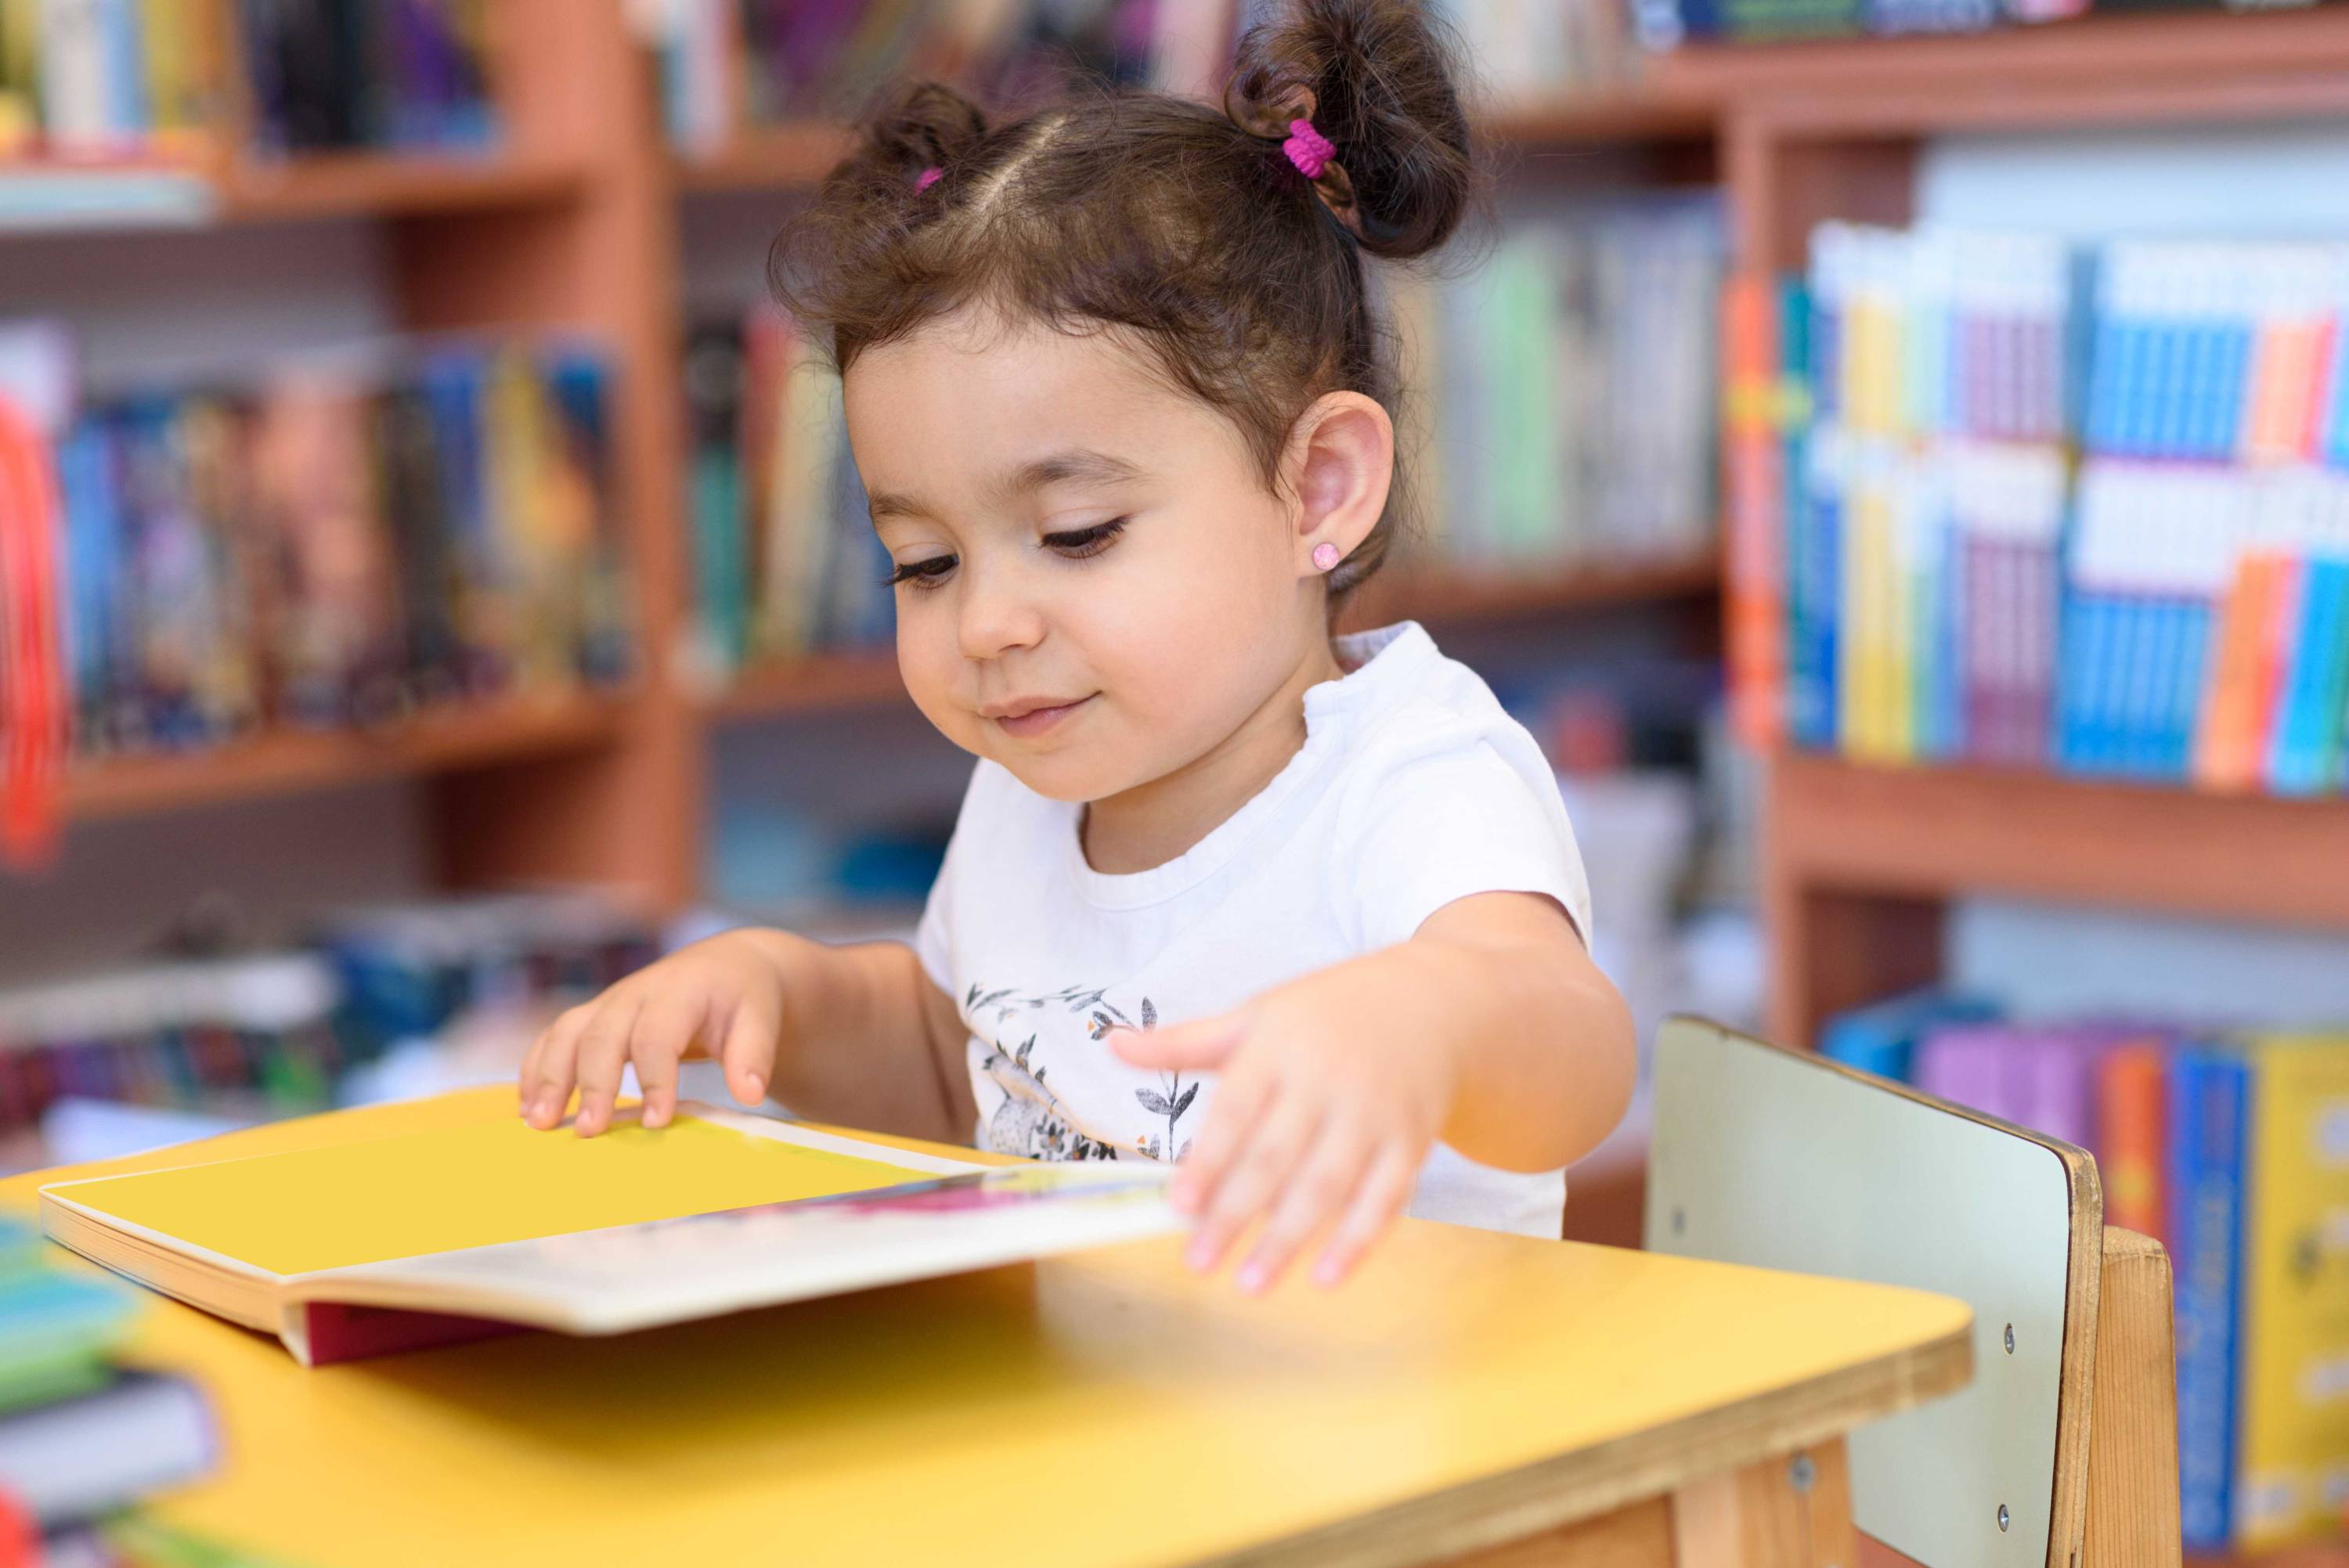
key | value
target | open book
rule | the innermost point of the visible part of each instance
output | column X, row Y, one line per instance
column 455, row 1232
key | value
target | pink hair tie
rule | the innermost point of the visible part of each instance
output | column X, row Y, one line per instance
column 929, row 177
column 1307, row 149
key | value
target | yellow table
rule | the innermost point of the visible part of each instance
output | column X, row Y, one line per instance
column 1467, row 1397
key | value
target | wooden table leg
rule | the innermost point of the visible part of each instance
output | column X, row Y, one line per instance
column 1794, row 1511
column 1789, row 1512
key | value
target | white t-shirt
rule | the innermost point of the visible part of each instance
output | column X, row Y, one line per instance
column 1413, row 788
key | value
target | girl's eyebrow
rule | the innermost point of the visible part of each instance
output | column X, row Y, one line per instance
column 1078, row 464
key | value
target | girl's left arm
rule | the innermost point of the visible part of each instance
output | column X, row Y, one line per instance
column 1490, row 1030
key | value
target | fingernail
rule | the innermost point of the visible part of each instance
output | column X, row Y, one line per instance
column 755, row 1085
column 1201, row 1257
column 1326, row 1273
column 1250, row 1279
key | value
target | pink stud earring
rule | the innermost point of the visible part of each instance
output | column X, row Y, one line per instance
column 1324, row 556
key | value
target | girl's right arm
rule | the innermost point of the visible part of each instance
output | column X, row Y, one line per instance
column 854, row 1035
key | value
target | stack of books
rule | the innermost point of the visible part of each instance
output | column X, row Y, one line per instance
column 785, row 558
column 81, row 1438
column 333, row 543
column 2231, row 1148
column 1570, row 418
column 728, row 65
column 2000, row 501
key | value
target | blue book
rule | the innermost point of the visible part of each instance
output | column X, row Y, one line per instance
column 2210, row 1101
column 2235, row 387
column 2071, row 637
column 2087, row 629
column 2186, row 689
column 93, row 548
column 127, row 115
column 1881, row 1038
column 2139, row 665
column 2109, row 371
column 2300, row 754
column 1815, row 603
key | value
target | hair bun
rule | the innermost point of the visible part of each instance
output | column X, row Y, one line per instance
column 1377, row 77
column 920, row 125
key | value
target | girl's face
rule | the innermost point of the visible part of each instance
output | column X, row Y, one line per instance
column 1094, row 586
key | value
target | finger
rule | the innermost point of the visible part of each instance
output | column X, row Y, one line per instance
column 1240, row 1100
column 748, row 1053
column 1377, row 1202
column 551, row 1073
column 603, row 1052
column 1262, row 1169
column 1202, row 1047
column 1313, row 1200
column 662, row 1033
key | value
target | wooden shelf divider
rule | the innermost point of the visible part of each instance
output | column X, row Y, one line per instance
column 289, row 760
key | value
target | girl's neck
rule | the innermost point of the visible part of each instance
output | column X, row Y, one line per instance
column 1152, row 823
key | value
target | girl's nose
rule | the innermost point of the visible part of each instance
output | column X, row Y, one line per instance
column 996, row 618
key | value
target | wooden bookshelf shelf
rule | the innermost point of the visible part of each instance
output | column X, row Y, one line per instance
column 291, row 762
column 368, row 184
column 1858, row 862
column 190, row 193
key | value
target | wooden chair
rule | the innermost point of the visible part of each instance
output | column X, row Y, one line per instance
column 2064, row 1452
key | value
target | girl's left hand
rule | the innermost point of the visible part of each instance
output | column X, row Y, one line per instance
column 1326, row 1110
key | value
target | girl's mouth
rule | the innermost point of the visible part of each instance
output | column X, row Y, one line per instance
column 1025, row 720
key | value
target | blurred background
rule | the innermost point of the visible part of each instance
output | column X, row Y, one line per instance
column 1893, row 453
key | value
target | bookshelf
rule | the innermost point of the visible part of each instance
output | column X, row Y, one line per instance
column 573, row 223
column 1858, row 862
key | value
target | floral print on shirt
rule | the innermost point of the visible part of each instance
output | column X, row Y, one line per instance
column 1032, row 1120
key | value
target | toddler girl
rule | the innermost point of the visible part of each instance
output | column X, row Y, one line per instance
column 1302, row 913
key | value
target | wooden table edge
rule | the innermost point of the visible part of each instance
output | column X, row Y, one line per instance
column 1491, row 1511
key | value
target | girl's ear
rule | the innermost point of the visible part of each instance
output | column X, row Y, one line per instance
column 1341, row 452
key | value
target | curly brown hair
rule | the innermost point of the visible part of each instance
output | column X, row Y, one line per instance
column 1186, row 229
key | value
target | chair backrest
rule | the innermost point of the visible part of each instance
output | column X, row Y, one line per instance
column 1784, row 1160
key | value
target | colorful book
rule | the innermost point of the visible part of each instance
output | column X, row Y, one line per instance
column 2292, row 1380
column 481, row 1227
column 2209, row 1116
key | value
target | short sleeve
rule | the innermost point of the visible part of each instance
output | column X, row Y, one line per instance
column 1437, row 829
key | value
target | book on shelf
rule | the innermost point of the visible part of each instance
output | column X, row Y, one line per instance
column 785, row 561
column 335, row 542
column 484, row 1224
column 1564, row 411
column 2231, row 1148
column 2079, row 508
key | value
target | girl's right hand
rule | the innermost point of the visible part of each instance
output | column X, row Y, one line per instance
column 722, row 998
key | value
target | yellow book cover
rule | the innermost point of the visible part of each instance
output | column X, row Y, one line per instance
column 485, row 1224
column 2293, row 1370
column 1873, row 595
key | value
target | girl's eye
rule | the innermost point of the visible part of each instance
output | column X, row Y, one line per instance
column 1079, row 544
column 927, row 574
